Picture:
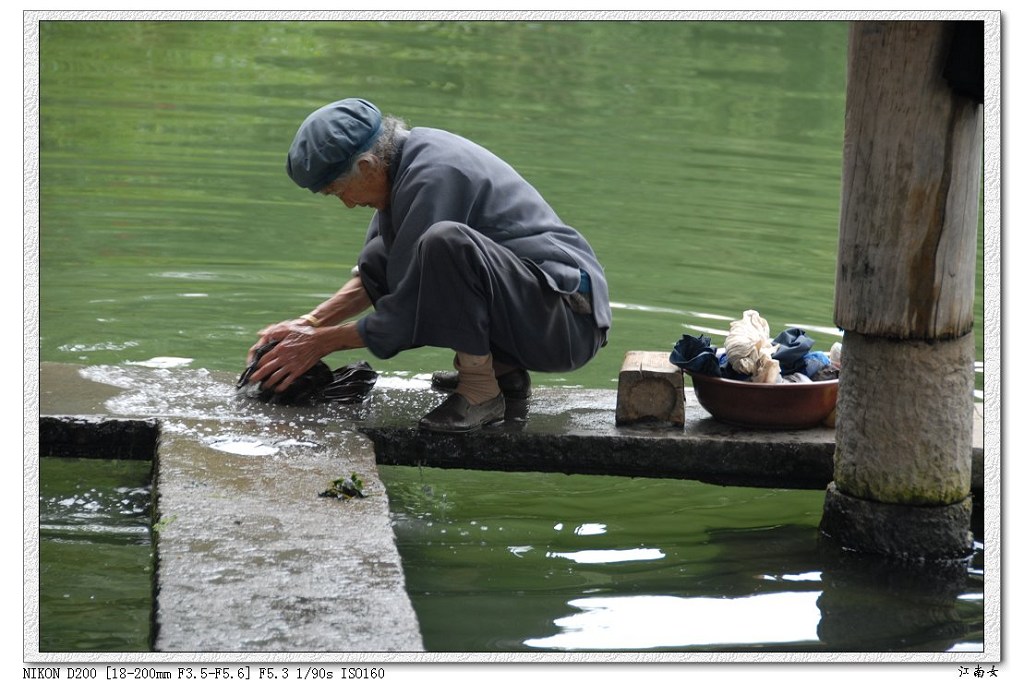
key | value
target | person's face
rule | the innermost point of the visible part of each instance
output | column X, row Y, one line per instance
column 369, row 187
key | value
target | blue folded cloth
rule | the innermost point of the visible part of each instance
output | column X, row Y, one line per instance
column 696, row 355
column 793, row 346
column 814, row 362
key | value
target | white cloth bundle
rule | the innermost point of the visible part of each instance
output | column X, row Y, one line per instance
column 749, row 349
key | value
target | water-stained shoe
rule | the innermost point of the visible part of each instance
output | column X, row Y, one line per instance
column 456, row 415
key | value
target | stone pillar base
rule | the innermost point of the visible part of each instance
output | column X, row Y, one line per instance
column 941, row 532
column 905, row 425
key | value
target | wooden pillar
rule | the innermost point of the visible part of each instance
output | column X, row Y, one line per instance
column 905, row 297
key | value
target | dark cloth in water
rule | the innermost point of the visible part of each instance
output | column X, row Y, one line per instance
column 348, row 384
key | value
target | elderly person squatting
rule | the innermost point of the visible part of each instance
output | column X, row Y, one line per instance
column 461, row 253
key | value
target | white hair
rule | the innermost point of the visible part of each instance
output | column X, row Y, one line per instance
column 382, row 153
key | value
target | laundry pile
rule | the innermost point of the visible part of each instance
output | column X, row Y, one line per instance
column 751, row 355
column 348, row 384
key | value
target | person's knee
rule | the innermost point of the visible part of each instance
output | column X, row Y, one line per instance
column 447, row 240
column 444, row 232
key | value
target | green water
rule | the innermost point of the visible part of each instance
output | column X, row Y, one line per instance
column 499, row 561
column 95, row 555
column 702, row 161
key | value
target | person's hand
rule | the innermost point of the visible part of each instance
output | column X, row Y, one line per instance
column 275, row 332
column 299, row 348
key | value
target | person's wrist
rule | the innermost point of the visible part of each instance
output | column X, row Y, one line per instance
column 312, row 320
column 349, row 337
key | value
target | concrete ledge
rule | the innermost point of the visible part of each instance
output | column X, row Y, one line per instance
column 251, row 559
column 573, row 431
column 98, row 437
column 791, row 464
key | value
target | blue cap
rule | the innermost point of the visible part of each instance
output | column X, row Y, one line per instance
column 329, row 139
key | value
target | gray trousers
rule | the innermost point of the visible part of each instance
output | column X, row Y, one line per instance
column 465, row 292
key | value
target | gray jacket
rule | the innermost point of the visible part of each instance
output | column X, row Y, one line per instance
column 443, row 177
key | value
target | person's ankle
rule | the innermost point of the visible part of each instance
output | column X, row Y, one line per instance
column 477, row 382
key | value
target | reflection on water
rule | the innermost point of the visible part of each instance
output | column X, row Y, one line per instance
column 609, row 556
column 95, row 555
column 672, row 565
column 649, row 622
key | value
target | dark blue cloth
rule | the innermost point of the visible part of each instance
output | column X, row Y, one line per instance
column 696, row 355
column 729, row 372
column 793, row 346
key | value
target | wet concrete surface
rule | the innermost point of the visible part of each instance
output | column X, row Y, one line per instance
column 249, row 557
column 252, row 559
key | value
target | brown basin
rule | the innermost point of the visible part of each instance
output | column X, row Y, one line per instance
column 766, row 406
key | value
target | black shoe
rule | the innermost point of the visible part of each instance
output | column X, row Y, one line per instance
column 514, row 384
column 456, row 415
